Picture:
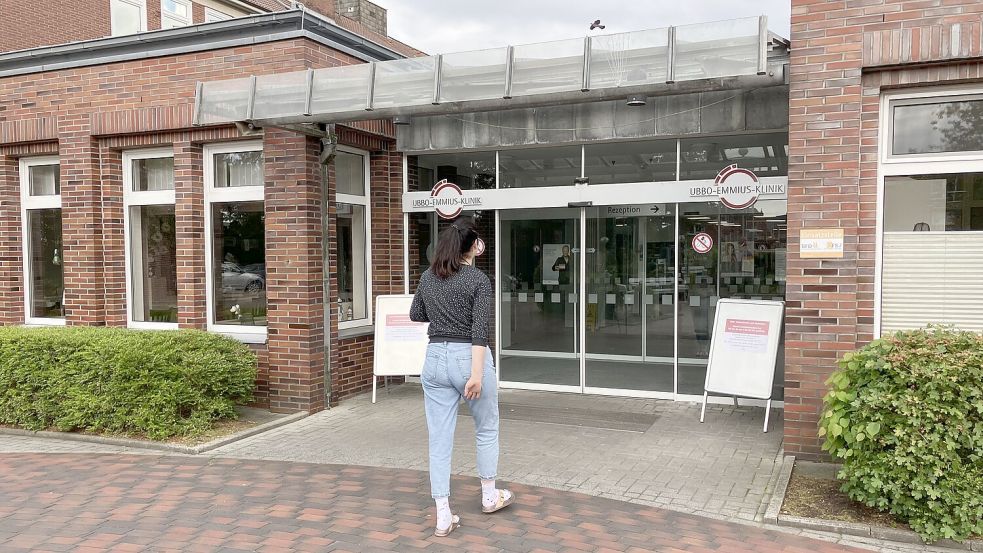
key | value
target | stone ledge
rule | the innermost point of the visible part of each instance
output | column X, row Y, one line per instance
column 142, row 444
column 778, row 496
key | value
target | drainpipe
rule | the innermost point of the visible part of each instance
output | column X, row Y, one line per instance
column 329, row 146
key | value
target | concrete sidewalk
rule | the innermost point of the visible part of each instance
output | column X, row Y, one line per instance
column 650, row 452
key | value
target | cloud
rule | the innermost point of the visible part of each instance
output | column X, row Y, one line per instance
column 439, row 26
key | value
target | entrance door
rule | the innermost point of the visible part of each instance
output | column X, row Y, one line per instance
column 647, row 299
column 538, row 286
column 629, row 311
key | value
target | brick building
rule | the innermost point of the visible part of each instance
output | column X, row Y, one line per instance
column 268, row 175
column 114, row 205
column 885, row 142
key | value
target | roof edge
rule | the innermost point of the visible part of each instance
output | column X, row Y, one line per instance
column 247, row 30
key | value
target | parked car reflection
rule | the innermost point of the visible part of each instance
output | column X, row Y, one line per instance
column 238, row 279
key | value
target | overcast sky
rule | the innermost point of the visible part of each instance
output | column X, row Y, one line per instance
column 439, row 26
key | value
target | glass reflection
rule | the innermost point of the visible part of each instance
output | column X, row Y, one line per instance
column 938, row 127
column 239, row 263
column 46, row 254
column 539, row 167
column 703, row 158
column 619, row 162
column 154, row 264
column 747, row 261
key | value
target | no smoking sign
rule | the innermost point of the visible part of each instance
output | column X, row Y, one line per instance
column 702, row 243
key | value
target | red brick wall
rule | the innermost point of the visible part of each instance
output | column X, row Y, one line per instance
column 842, row 55
column 25, row 24
column 294, row 271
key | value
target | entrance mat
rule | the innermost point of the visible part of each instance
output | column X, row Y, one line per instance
column 572, row 416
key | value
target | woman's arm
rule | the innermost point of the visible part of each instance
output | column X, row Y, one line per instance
column 418, row 311
column 480, row 314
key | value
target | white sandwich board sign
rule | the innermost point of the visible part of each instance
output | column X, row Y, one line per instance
column 400, row 344
column 743, row 350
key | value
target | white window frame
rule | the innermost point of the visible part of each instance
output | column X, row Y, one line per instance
column 212, row 15
column 181, row 22
column 131, row 199
column 34, row 203
column 366, row 201
column 232, row 194
column 142, row 4
column 889, row 165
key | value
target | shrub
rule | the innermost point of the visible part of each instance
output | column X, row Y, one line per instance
column 905, row 415
column 119, row 381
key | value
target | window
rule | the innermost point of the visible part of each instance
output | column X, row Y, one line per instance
column 930, row 126
column 128, row 16
column 703, row 158
column 44, row 284
column 932, row 243
column 235, row 257
column 151, row 261
column 175, row 13
column 535, row 167
column 212, row 15
column 354, row 258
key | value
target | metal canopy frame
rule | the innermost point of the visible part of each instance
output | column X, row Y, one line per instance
column 225, row 104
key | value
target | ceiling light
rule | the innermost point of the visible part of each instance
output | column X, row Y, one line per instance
column 636, row 100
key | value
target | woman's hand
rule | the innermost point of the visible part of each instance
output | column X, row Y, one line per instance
column 472, row 390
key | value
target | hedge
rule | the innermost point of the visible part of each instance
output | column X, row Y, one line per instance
column 905, row 415
column 155, row 384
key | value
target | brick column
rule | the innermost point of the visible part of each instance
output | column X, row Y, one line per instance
column 189, row 213
column 113, row 237
column 11, row 263
column 294, row 270
column 823, row 192
column 81, row 223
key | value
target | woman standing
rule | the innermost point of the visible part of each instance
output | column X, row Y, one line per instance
column 456, row 299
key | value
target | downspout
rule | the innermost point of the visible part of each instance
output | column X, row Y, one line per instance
column 329, row 145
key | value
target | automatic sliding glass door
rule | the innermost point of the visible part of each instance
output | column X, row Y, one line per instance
column 539, row 283
column 629, row 319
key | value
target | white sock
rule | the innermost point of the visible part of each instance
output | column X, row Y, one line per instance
column 443, row 512
column 489, row 494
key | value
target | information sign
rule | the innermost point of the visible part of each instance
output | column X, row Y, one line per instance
column 400, row 344
column 743, row 350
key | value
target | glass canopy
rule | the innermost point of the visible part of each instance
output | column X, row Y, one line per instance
column 592, row 67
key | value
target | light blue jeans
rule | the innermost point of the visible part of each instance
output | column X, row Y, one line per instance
column 445, row 372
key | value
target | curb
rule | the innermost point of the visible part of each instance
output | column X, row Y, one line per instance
column 774, row 516
column 170, row 448
column 778, row 496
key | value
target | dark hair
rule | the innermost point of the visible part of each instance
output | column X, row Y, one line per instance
column 452, row 243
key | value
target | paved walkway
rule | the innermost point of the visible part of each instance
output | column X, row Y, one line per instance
column 722, row 468
column 95, row 503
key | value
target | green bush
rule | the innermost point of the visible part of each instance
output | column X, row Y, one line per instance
column 118, row 381
column 905, row 415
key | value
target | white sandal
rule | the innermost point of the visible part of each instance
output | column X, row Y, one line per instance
column 444, row 532
column 500, row 504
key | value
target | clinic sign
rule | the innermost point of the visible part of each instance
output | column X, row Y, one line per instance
column 736, row 188
column 448, row 200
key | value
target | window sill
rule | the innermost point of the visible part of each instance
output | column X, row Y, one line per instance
column 40, row 323
column 356, row 331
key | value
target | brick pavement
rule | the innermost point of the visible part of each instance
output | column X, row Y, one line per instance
column 95, row 503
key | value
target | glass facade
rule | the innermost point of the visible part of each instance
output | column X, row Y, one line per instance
column 614, row 299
